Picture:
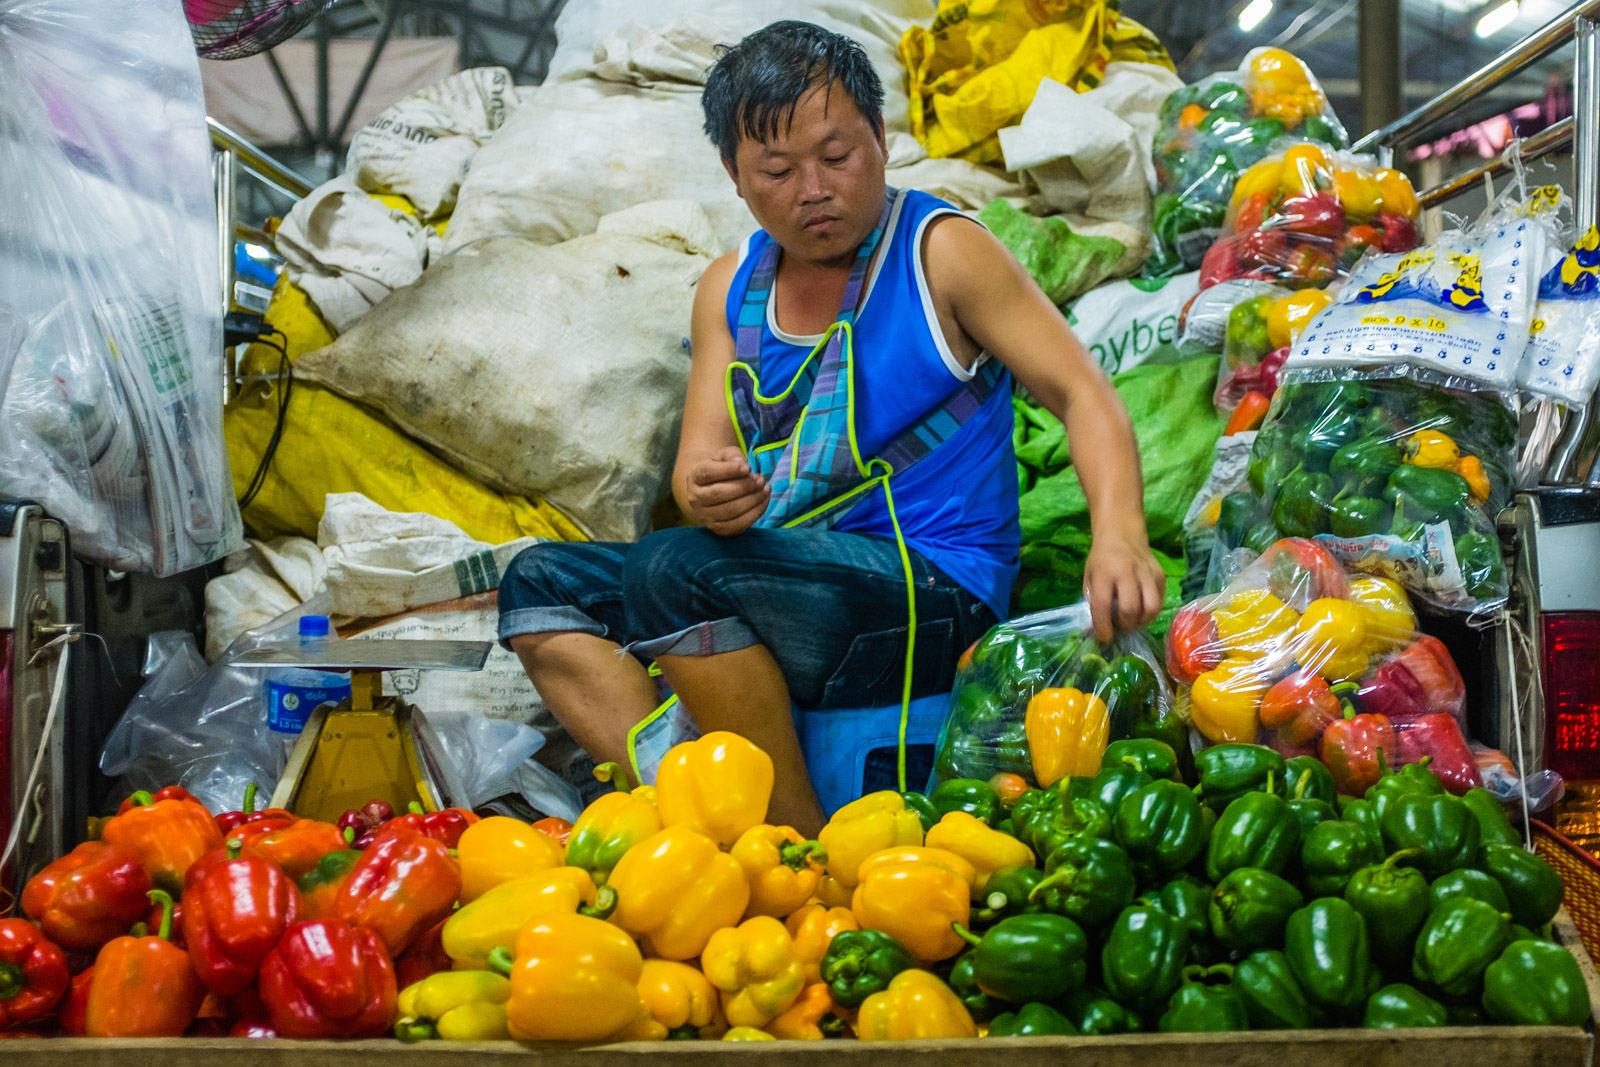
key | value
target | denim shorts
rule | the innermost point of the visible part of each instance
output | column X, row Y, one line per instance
column 829, row 606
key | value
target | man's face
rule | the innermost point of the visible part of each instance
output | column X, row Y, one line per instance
column 817, row 186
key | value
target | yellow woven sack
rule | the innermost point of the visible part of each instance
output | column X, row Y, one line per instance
column 975, row 70
column 334, row 445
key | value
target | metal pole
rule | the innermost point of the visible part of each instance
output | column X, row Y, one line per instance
column 222, row 170
column 1379, row 63
column 324, row 35
column 257, row 162
column 1586, row 131
column 371, row 64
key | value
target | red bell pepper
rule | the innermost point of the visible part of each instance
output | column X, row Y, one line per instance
column 152, row 921
column 1193, row 646
column 33, row 973
column 1299, row 567
column 329, row 978
column 1440, row 736
column 1300, row 706
column 233, row 916
column 559, row 829
column 1431, row 664
column 252, row 1028
column 75, row 1005
column 1398, row 233
column 170, row 792
column 143, row 986
column 321, row 886
column 228, row 820
column 425, row 957
column 89, row 896
column 168, row 836
column 447, row 825
column 1265, row 247
column 1393, row 692
column 1321, row 215
column 1221, row 262
column 1357, row 749
column 402, row 884
column 296, row 848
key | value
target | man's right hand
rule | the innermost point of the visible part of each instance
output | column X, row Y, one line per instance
column 724, row 494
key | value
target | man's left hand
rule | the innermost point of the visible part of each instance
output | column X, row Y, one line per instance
column 1123, row 583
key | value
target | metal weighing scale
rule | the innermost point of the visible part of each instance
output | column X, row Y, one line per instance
column 371, row 746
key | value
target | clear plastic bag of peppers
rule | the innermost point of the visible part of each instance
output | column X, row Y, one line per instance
column 1400, row 473
column 1305, row 214
column 1039, row 697
column 1212, row 131
column 1256, row 346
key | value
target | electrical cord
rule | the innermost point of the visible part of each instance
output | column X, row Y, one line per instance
column 285, row 384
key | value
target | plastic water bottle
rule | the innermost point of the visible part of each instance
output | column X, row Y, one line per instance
column 293, row 693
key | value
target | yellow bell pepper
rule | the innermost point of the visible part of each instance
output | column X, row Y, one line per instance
column 976, row 842
column 574, row 979
column 608, row 828
column 1067, row 732
column 755, row 967
column 833, row 893
column 813, row 927
column 747, row 1033
column 677, row 888
column 1344, row 667
column 454, row 1006
column 1398, row 196
column 498, row 849
column 1385, row 612
column 680, row 1005
column 1471, row 468
column 493, row 919
column 782, row 867
column 810, row 1018
column 1329, row 628
column 1306, row 170
column 1224, row 703
column 1360, row 196
column 1430, row 448
column 718, row 785
column 875, row 822
column 1254, row 624
column 916, row 1006
column 913, row 894
column 1263, row 177
column 1289, row 315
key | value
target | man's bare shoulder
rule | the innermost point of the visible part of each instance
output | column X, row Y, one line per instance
column 718, row 276
column 958, row 252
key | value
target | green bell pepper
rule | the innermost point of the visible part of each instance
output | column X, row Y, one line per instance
column 1427, row 494
column 1458, row 942
column 1363, row 814
column 1532, row 886
column 1250, row 907
column 1301, row 509
column 1246, row 338
column 1308, row 815
column 1307, row 777
column 1092, row 1011
column 1029, row 957
column 1357, row 516
column 1160, row 827
column 963, row 983
column 976, row 798
column 1229, row 771
column 1394, row 902
column 978, row 711
column 1401, row 1007
column 1129, row 688
column 1468, row 883
column 1482, row 564
column 859, row 963
column 1261, row 536
column 1186, row 898
column 1333, row 852
column 1155, row 758
column 1441, row 828
column 1414, row 779
column 1222, row 95
column 1256, row 830
column 1202, row 1007
column 1006, row 894
column 1535, row 983
column 1059, row 819
column 927, row 814
column 1272, row 995
column 1114, row 783
column 1087, row 879
column 1365, row 463
column 1144, row 956
column 1494, row 826
column 1272, row 458
column 1032, row 1020
column 1326, row 943
column 1317, row 128
column 1239, row 511
column 1163, row 724
column 1334, row 430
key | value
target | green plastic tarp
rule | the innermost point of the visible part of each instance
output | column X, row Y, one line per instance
column 1064, row 263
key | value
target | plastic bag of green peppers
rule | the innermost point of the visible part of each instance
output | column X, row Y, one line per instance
column 1038, row 693
column 1397, row 471
column 1211, row 131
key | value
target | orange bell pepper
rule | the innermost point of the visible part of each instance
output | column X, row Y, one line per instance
column 875, row 822
column 916, row 1006
column 755, row 967
column 1471, row 468
column 167, row 835
column 1067, row 733
column 914, row 895
column 783, row 868
column 813, row 926
column 403, row 883
column 675, row 889
column 810, row 1018
column 498, row 849
column 607, row 829
column 574, row 979
column 680, row 1004
column 296, row 848
column 718, row 785
column 144, row 986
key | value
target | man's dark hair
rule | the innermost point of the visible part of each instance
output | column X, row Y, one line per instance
column 755, row 85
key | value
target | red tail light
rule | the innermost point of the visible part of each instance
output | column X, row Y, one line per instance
column 1572, row 693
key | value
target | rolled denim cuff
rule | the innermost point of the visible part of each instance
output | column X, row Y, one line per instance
column 546, row 620
column 701, row 639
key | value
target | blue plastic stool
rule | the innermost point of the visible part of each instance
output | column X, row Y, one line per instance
column 837, row 742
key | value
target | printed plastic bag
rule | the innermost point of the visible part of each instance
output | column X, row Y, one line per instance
column 1300, row 654
column 1039, row 697
column 1562, row 360
column 113, row 415
column 1216, row 128
column 1122, row 322
column 1305, row 215
column 1544, row 788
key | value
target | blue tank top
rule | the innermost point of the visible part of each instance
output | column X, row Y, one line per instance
column 958, row 505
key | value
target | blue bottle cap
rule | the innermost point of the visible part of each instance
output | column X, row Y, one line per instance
column 313, row 626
